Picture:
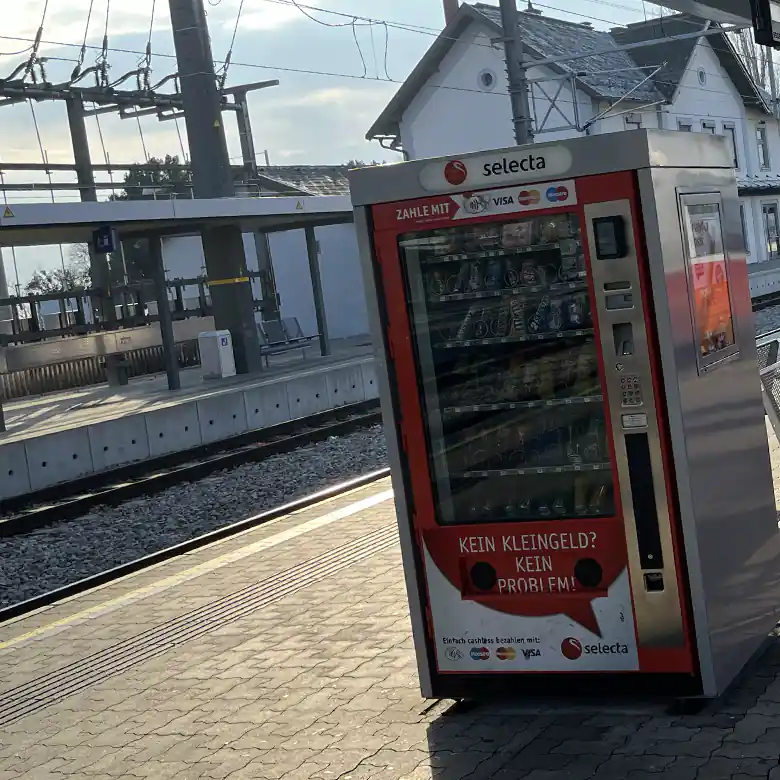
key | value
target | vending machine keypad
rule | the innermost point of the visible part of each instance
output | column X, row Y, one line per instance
column 631, row 390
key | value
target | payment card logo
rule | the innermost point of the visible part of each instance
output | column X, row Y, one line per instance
column 479, row 653
column 557, row 194
column 528, row 197
column 455, row 172
column 571, row 648
column 506, row 654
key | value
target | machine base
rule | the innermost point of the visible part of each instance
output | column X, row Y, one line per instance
column 617, row 686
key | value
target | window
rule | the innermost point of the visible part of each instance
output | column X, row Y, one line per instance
column 771, row 230
column 684, row 126
column 708, row 127
column 487, row 80
column 633, row 121
column 702, row 74
column 763, row 146
column 744, row 226
column 730, row 131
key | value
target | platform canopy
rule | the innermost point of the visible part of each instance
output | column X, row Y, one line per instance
column 727, row 11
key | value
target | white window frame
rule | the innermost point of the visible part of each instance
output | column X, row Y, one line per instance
column 743, row 220
column 769, row 255
column 708, row 127
column 685, row 125
column 730, row 132
column 762, row 141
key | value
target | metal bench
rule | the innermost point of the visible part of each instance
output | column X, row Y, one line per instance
column 280, row 336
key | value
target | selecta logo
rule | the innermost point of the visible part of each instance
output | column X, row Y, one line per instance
column 479, row 653
column 455, row 172
column 557, row 194
column 571, row 648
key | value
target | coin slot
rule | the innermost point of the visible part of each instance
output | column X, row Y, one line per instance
column 623, row 337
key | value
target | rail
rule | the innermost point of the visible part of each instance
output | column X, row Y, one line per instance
column 768, row 352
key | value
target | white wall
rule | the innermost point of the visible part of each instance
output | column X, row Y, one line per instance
column 342, row 283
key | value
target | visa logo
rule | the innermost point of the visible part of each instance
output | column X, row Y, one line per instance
column 503, row 200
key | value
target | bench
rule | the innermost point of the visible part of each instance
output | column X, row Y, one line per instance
column 280, row 336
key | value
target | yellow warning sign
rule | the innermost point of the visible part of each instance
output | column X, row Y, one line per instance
column 299, row 207
column 217, row 123
column 7, row 213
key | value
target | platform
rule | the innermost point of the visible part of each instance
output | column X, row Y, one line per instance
column 60, row 437
column 285, row 653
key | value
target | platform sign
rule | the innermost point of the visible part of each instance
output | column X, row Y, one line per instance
column 104, row 240
column 766, row 22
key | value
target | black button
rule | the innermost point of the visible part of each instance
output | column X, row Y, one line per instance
column 588, row 572
column 483, row 575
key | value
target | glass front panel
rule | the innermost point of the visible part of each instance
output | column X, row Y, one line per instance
column 503, row 331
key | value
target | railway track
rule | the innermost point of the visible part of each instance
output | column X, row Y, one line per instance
column 52, row 597
column 66, row 502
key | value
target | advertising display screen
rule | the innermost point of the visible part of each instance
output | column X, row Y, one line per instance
column 711, row 300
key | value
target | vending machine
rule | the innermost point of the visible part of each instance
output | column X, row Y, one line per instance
column 565, row 340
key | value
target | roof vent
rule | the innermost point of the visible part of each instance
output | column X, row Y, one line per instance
column 589, row 25
column 531, row 10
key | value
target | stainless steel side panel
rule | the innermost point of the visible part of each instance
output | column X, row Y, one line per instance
column 718, row 435
column 365, row 245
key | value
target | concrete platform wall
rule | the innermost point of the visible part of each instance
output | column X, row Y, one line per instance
column 51, row 459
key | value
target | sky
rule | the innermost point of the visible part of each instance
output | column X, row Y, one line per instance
column 317, row 117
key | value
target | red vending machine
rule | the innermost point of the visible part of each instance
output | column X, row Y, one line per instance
column 564, row 333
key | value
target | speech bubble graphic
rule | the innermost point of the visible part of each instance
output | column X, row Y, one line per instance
column 533, row 570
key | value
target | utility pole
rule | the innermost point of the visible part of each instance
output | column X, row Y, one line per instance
column 223, row 247
column 516, row 73
column 102, row 305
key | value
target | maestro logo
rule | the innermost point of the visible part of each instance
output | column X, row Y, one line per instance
column 479, row 653
column 506, row 653
column 455, row 172
column 571, row 648
column 528, row 197
column 557, row 194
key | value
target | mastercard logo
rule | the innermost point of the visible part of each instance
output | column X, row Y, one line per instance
column 557, row 194
column 571, row 648
column 528, row 197
column 455, row 172
column 506, row 653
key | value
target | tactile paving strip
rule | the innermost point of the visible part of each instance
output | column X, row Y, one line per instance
column 38, row 694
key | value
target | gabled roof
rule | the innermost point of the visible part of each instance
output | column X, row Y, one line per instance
column 546, row 37
column 310, row 179
column 676, row 54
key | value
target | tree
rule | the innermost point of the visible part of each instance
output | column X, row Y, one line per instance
column 166, row 179
column 74, row 275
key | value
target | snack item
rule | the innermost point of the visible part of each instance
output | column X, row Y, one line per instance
column 518, row 235
column 517, row 317
column 494, row 274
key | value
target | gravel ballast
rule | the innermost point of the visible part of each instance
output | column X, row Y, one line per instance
column 52, row 557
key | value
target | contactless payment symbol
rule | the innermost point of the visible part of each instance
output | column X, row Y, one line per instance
column 453, row 654
column 571, row 648
column 455, row 172
column 557, row 194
